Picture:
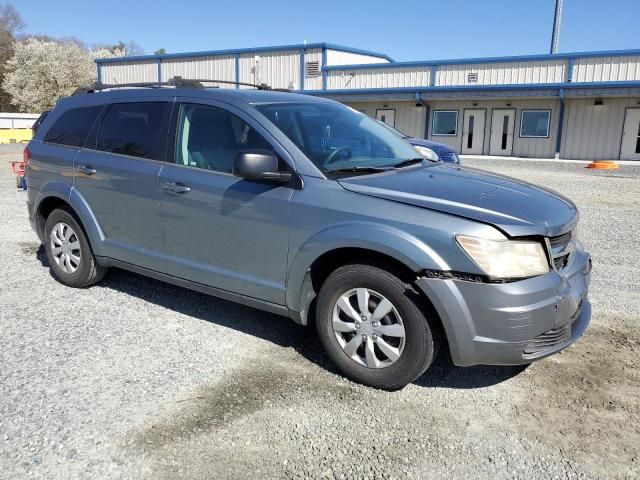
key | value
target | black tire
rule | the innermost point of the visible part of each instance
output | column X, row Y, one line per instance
column 88, row 270
column 421, row 339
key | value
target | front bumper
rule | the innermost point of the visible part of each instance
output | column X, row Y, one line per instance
column 513, row 323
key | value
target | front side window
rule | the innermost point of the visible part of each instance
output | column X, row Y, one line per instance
column 133, row 129
column 445, row 123
column 535, row 123
column 210, row 138
column 72, row 127
column 336, row 137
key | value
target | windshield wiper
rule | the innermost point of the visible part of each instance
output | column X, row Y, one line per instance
column 409, row 161
column 359, row 169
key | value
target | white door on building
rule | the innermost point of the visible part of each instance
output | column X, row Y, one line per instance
column 387, row 115
column 631, row 135
column 502, row 124
column 473, row 132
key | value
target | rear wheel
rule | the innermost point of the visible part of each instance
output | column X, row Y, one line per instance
column 70, row 257
column 373, row 327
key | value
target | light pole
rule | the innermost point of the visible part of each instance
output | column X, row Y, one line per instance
column 555, row 35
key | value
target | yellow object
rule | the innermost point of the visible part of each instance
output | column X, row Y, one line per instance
column 15, row 135
column 603, row 165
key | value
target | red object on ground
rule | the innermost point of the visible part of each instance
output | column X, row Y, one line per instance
column 18, row 167
column 603, row 165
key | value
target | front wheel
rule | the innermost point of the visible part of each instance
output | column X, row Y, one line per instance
column 374, row 327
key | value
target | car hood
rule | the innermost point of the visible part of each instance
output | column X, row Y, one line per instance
column 517, row 208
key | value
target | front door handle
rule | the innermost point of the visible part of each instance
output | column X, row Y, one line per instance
column 86, row 169
column 176, row 187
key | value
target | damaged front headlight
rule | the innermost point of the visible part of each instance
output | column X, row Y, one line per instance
column 506, row 259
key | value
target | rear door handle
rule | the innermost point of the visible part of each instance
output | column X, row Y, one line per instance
column 176, row 187
column 86, row 169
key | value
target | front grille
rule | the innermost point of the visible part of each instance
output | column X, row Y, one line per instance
column 560, row 241
column 561, row 261
column 561, row 249
column 551, row 339
column 445, row 155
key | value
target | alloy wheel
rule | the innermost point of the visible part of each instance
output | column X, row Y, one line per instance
column 65, row 247
column 368, row 327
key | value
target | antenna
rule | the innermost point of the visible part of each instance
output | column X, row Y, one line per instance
column 555, row 35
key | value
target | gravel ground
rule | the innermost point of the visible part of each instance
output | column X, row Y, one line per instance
column 133, row 378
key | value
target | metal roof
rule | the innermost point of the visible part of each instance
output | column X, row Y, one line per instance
column 240, row 51
column 505, row 59
column 477, row 88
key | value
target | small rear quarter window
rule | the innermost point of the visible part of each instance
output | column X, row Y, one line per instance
column 73, row 126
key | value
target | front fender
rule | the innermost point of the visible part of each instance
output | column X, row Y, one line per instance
column 70, row 195
column 390, row 241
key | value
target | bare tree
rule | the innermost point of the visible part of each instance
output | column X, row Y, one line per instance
column 10, row 24
column 10, row 19
column 132, row 48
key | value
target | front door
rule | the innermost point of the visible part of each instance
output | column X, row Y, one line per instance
column 473, row 132
column 502, row 125
column 387, row 115
column 631, row 135
column 220, row 230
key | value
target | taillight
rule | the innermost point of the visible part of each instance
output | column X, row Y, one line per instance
column 26, row 155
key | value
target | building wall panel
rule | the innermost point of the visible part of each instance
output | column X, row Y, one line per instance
column 313, row 55
column 593, row 132
column 605, row 69
column 409, row 118
column 379, row 78
column 130, row 72
column 279, row 69
column 505, row 73
column 337, row 57
column 522, row 147
column 219, row 68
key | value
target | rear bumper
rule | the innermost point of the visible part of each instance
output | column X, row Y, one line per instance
column 513, row 323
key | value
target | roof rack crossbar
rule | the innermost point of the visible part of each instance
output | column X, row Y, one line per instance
column 176, row 81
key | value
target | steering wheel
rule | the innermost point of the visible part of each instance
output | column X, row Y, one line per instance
column 333, row 156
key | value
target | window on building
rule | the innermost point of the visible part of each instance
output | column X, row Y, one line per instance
column 73, row 126
column 445, row 123
column 535, row 123
column 210, row 138
column 133, row 129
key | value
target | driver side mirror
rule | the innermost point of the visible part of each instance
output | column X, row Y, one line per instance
column 259, row 166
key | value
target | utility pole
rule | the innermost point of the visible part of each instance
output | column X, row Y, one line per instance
column 555, row 35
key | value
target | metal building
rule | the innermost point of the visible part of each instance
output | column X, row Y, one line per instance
column 570, row 105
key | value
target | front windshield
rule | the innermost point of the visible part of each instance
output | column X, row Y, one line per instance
column 337, row 138
column 393, row 129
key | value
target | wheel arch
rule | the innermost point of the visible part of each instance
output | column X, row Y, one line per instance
column 348, row 243
column 62, row 195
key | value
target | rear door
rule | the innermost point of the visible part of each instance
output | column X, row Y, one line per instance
column 630, row 149
column 387, row 115
column 502, row 124
column 117, row 175
column 220, row 230
column 473, row 131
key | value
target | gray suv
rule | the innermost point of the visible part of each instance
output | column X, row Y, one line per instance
column 306, row 208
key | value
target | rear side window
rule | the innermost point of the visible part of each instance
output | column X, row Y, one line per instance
column 133, row 129
column 73, row 126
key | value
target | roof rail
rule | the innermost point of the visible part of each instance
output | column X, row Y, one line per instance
column 176, row 81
